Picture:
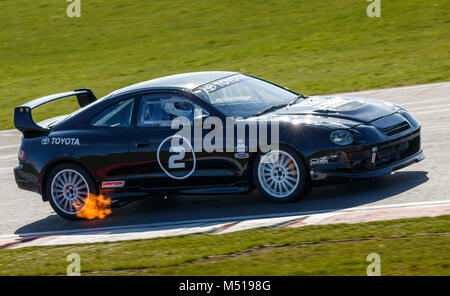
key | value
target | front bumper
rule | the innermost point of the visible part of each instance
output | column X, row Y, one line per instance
column 419, row 156
column 371, row 160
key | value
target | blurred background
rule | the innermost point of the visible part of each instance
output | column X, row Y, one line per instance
column 312, row 47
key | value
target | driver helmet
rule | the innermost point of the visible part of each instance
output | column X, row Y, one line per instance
column 177, row 108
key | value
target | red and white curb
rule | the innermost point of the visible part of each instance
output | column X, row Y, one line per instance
column 227, row 225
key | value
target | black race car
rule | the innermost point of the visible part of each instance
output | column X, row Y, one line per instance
column 128, row 145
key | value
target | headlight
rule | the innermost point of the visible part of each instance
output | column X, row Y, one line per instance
column 341, row 137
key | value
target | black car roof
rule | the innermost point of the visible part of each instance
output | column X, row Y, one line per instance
column 184, row 81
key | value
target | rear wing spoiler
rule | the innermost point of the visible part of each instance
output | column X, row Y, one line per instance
column 23, row 120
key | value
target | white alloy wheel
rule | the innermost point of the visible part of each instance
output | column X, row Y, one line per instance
column 278, row 173
column 69, row 191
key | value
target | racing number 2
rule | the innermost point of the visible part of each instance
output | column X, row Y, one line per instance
column 181, row 153
column 176, row 161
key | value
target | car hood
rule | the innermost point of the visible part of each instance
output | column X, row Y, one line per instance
column 335, row 109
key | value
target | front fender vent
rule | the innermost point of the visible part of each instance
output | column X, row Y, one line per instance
column 395, row 129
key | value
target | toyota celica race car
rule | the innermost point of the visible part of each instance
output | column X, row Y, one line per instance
column 125, row 146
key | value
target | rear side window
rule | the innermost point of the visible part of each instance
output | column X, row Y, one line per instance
column 158, row 110
column 118, row 115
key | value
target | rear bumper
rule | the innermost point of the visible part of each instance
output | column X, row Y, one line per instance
column 322, row 175
column 26, row 180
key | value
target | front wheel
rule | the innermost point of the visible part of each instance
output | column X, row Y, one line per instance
column 68, row 189
column 280, row 175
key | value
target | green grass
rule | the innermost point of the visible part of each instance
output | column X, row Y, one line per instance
column 407, row 247
column 318, row 46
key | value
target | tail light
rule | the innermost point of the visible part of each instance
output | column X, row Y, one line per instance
column 22, row 154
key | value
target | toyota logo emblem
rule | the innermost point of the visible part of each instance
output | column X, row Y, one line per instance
column 45, row 141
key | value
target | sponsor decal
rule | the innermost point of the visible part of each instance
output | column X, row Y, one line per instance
column 241, row 146
column 374, row 154
column 318, row 161
column 241, row 155
column 45, row 141
column 61, row 141
column 221, row 83
column 113, row 184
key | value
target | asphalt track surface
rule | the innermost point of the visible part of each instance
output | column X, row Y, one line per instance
column 24, row 212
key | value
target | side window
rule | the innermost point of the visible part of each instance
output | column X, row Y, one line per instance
column 118, row 115
column 160, row 109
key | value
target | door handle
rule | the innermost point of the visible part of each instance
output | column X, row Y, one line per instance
column 142, row 144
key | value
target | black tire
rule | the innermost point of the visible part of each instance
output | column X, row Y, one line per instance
column 300, row 188
column 51, row 177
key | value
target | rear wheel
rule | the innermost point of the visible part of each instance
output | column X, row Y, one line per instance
column 280, row 175
column 68, row 188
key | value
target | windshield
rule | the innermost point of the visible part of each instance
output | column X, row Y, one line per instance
column 243, row 96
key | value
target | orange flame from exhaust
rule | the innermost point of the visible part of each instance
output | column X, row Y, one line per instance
column 97, row 206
